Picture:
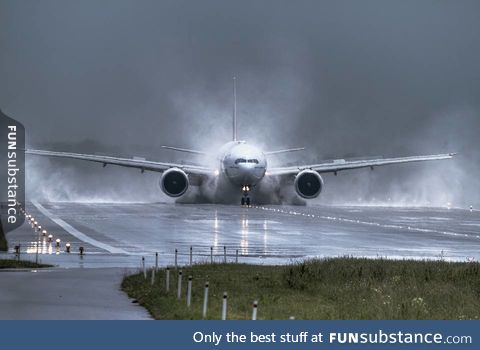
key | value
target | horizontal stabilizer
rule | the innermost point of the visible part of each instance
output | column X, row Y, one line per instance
column 185, row 150
column 285, row 151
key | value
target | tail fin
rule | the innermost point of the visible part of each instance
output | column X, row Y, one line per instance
column 234, row 110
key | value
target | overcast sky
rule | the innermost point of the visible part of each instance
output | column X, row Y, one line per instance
column 343, row 78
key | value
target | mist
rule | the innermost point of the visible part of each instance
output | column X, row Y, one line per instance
column 343, row 79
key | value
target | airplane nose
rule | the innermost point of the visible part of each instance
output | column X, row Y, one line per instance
column 244, row 171
column 247, row 174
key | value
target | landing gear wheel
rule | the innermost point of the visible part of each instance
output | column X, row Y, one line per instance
column 245, row 197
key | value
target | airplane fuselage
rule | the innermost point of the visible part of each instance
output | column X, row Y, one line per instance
column 243, row 164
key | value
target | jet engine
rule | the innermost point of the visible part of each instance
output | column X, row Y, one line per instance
column 308, row 184
column 174, row 182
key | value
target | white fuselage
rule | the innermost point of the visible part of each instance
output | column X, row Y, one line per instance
column 242, row 164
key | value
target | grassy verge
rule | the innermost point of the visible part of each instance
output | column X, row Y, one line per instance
column 12, row 264
column 3, row 242
column 340, row 288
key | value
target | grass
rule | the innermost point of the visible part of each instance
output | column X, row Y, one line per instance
column 3, row 243
column 338, row 288
column 3, row 240
column 22, row 264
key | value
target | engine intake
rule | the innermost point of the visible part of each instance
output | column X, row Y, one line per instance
column 174, row 182
column 308, row 184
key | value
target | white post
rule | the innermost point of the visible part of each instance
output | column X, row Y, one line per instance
column 224, row 306
column 167, row 279
column 156, row 262
column 205, row 301
column 38, row 244
column 176, row 257
column 152, row 282
column 189, row 291
column 254, row 312
column 179, row 287
column 191, row 255
column 144, row 268
column 211, row 255
column 236, row 256
column 224, row 254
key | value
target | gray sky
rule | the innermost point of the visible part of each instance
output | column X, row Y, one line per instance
column 343, row 78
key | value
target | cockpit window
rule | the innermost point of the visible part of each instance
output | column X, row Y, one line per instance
column 243, row 160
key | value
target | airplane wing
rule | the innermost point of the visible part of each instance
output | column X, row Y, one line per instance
column 138, row 163
column 342, row 164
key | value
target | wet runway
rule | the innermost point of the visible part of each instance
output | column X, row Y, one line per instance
column 117, row 235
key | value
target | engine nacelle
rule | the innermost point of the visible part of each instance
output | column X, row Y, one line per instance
column 308, row 184
column 174, row 182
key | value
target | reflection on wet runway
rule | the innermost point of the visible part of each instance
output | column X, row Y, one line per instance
column 263, row 234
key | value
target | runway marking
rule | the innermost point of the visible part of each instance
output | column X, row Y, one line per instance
column 371, row 223
column 77, row 234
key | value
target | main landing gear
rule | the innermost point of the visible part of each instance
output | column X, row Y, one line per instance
column 245, row 197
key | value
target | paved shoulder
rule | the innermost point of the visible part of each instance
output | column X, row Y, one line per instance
column 75, row 294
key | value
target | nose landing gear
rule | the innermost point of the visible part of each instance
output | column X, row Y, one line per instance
column 245, row 197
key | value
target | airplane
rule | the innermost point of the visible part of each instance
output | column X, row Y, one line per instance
column 240, row 166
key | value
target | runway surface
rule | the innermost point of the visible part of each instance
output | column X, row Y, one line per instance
column 118, row 235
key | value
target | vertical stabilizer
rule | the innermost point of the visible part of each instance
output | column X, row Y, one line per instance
column 234, row 110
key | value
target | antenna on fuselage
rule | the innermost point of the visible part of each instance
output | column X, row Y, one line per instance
column 234, row 110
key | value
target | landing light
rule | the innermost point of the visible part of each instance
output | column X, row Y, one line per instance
column 216, row 172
